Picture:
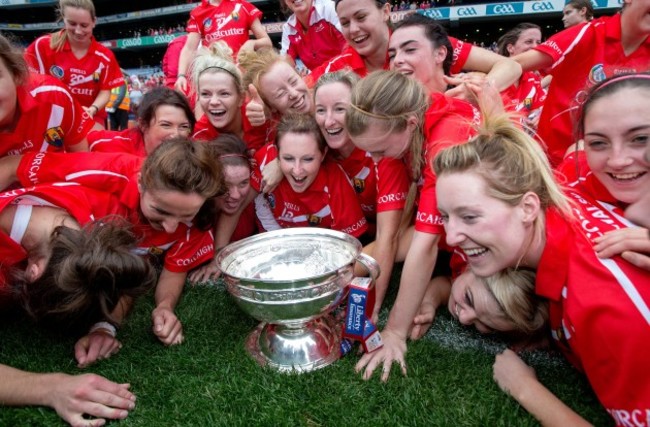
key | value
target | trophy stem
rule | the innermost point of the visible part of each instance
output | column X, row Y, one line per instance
column 296, row 348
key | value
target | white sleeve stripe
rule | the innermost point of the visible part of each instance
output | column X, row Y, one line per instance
column 48, row 88
column 41, row 67
column 628, row 287
column 573, row 44
column 93, row 172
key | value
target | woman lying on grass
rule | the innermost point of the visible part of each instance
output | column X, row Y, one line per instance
column 67, row 271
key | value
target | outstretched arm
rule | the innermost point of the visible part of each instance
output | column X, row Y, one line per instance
column 416, row 274
column 72, row 397
column 519, row 380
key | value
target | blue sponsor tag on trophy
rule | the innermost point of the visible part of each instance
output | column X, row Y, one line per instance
column 358, row 326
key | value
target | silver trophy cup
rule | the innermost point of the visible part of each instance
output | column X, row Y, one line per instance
column 290, row 280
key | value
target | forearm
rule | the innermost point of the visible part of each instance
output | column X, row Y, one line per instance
column 384, row 250
column 122, row 309
column 504, row 73
column 169, row 289
column 263, row 42
column 416, row 274
column 102, row 99
column 8, row 169
column 25, row 388
column 183, row 62
column 545, row 406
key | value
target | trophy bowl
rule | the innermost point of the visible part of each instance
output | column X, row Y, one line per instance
column 290, row 280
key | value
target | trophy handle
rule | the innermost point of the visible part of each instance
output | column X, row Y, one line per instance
column 370, row 264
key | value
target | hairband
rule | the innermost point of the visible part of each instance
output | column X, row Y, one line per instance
column 238, row 78
column 225, row 156
column 383, row 116
column 622, row 77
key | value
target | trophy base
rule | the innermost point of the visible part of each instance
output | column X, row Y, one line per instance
column 296, row 349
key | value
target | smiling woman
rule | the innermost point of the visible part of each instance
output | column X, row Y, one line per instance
column 276, row 81
column 163, row 114
column 166, row 196
column 305, row 196
column 73, row 56
column 500, row 183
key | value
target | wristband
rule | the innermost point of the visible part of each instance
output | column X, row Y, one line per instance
column 181, row 75
column 95, row 107
column 108, row 327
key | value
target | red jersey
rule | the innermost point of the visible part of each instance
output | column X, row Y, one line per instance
column 349, row 58
column 574, row 173
column 255, row 137
column 84, row 204
column 320, row 42
column 116, row 173
column 247, row 225
column 329, row 202
column 598, row 308
column 130, row 141
column 380, row 187
column 582, row 56
column 170, row 60
column 449, row 121
column 97, row 70
column 527, row 95
column 49, row 118
column 230, row 21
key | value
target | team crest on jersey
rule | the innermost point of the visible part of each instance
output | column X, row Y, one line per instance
column 54, row 136
column 207, row 24
column 271, row 199
column 359, row 185
column 155, row 251
column 57, row 71
column 235, row 16
column 314, row 220
column 528, row 102
column 597, row 74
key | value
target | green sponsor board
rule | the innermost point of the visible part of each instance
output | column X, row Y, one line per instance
column 146, row 41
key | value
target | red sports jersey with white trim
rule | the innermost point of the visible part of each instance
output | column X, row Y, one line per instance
column 380, row 187
column 231, row 22
column 85, row 77
column 582, row 56
column 349, row 58
column 574, row 172
column 598, row 308
column 321, row 41
column 527, row 95
column 255, row 137
column 49, row 118
column 130, row 141
column 185, row 248
column 448, row 121
column 329, row 202
column 84, row 204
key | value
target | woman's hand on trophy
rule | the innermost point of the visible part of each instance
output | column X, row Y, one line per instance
column 205, row 273
column 393, row 350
